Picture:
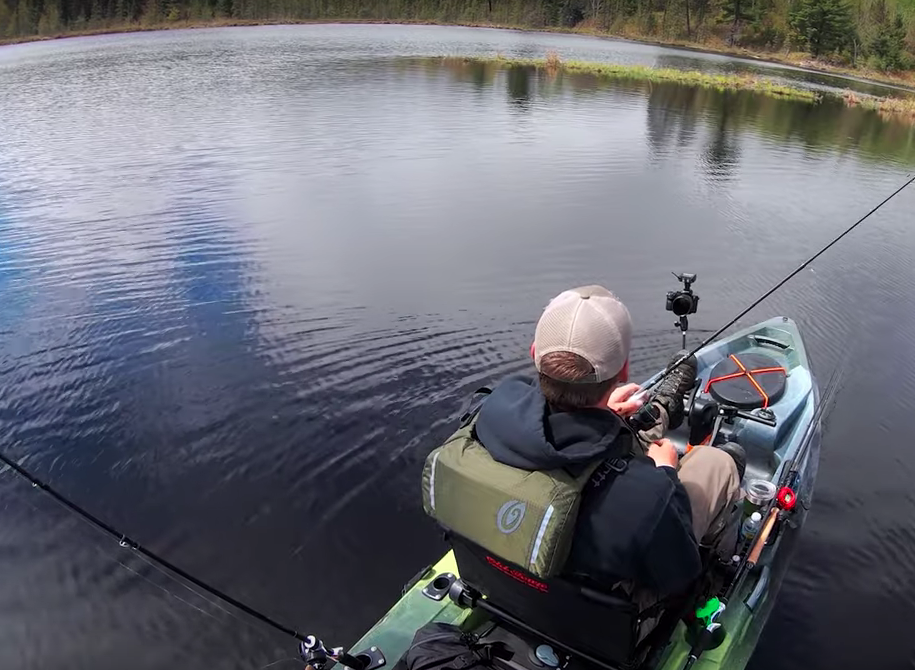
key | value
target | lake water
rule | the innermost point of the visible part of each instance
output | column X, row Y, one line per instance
column 248, row 277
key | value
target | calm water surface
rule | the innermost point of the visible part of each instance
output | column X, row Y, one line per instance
column 248, row 276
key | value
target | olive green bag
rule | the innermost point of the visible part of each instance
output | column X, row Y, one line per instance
column 524, row 517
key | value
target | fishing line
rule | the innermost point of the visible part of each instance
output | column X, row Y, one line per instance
column 282, row 660
column 213, row 603
column 784, row 281
column 117, row 560
column 129, row 543
column 824, row 407
column 163, row 589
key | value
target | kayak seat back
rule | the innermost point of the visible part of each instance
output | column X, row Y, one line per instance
column 599, row 625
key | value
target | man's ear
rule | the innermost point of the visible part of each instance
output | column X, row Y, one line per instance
column 623, row 376
column 533, row 354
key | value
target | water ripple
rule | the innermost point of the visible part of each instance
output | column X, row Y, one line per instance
column 248, row 278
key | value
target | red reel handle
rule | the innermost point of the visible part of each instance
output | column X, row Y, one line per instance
column 786, row 498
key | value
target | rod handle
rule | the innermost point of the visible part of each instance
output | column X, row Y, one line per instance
column 763, row 537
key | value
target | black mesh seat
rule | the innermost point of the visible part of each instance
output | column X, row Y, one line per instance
column 596, row 626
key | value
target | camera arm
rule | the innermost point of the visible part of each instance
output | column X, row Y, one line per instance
column 683, row 302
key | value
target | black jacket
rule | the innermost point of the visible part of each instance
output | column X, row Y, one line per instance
column 637, row 528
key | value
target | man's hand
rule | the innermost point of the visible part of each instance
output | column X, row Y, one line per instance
column 663, row 452
column 626, row 400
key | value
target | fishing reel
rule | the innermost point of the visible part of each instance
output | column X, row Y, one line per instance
column 645, row 418
column 683, row 302
column 317, row 656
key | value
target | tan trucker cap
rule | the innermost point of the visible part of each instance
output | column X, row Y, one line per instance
column 589, row 321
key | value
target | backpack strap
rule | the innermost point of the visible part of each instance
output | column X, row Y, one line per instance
column 606, row 471
column 472, row 408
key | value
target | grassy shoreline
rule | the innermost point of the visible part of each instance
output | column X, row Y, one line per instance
column 721, row 82
column 799, row 60
column 902, row 109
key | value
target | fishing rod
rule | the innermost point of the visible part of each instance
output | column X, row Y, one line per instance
column 688, row 279
column 683, row 303
column 791, row 473
column 778, row 510
column 788, row 480
column 311, row 649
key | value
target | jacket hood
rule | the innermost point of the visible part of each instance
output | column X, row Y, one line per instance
column 517, row 428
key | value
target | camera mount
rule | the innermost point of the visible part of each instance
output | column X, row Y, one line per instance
column 683, row 302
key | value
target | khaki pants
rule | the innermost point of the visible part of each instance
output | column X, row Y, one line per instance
column 710, row 478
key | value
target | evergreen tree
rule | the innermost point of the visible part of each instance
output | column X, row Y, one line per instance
column 879, row 28
column 49, row 23
column 6, row 17
column 821, row 26
column 888, row 46
column 736, row 13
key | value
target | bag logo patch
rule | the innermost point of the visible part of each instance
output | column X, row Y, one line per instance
column 510, row 516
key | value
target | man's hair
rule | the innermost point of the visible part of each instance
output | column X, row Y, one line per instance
column 570, row 395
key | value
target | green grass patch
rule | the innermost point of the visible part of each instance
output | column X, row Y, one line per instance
column 900, row 109
column 720, row 82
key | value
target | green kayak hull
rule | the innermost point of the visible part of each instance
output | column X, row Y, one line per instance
column 393, row 634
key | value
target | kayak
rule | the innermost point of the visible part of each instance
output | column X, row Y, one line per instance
column 762, row 394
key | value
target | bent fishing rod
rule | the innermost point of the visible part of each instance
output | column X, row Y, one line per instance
column 688, row 279
column 311, row 649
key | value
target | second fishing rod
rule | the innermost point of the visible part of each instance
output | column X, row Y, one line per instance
column 685, row 302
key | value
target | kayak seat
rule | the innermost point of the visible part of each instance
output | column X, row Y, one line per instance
column 598, row 627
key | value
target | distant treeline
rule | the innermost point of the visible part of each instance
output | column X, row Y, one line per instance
column 878, row 33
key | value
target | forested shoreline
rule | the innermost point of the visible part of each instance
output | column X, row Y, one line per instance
column 875, row 34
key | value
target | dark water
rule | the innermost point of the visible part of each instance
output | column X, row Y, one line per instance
column 248, row 276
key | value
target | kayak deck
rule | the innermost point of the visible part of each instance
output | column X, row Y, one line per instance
column 393, row 634
column 767, row 448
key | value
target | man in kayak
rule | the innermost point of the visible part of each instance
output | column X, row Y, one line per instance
column 642, row 525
